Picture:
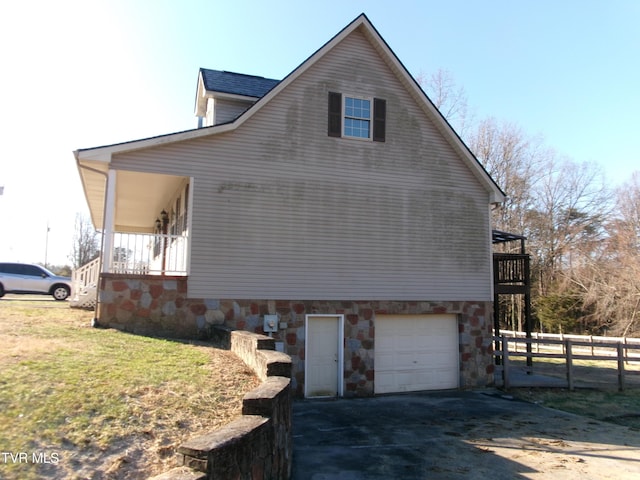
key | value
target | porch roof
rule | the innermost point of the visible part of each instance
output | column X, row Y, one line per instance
column 140, row 197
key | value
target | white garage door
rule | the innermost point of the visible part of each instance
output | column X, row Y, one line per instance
column 415, row 352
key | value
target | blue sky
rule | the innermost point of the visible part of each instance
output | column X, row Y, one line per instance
column 83, row 73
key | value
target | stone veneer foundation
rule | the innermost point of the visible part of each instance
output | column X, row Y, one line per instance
column 159, row 306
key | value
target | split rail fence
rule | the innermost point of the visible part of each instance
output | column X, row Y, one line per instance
column 568, row 347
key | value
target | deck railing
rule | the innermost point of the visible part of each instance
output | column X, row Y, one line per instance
column 510, row 268
column 148, row 254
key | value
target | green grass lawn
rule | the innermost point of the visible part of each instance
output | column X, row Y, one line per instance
column 66, row 387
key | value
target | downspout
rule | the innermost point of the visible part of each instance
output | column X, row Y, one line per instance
column 94, row 321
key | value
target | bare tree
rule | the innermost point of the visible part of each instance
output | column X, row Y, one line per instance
column 611, row 283
column 558, row 204
column 566, row 222
column 86, row 245
column 449, row 98
column 515, row 162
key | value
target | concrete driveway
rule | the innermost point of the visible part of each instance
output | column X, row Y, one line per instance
column 453, row 434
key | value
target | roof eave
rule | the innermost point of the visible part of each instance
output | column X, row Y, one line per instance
column 200, row 106
column 230, row 96
column 104, row 153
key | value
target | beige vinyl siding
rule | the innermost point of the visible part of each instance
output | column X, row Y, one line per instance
column 229, row 110
column 282, row 211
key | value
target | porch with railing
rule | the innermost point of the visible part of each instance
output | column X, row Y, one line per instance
column 131, row 254
column 147, row 254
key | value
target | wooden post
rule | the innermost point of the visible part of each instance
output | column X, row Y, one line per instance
column 626, row 352
column 528, row 321
column 621, row 350
column 569, row 353
column 505, row 363
column 496, row 318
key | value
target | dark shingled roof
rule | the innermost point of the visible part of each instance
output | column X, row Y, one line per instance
column 236, row 83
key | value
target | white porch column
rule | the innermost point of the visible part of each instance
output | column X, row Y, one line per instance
column 109, row 221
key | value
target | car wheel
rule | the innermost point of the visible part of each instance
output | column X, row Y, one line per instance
column 61, row 292
column 1, row 291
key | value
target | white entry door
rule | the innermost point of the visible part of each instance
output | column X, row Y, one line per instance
column 324, row 355
column 416, row 352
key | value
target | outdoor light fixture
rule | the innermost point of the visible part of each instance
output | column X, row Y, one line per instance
column 164, row 216
column 158, row 224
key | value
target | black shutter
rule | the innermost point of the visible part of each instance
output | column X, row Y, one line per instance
column 335, row 114
column 379, row 118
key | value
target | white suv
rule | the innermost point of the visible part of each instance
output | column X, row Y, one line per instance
column 27, row 278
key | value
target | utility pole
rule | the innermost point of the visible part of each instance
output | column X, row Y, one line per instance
column 46, row 245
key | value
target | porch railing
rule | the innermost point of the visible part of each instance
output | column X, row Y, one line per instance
column 84, row 285
column 132, row 253
column 141, row 253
